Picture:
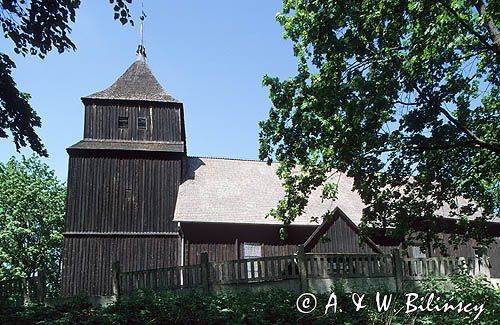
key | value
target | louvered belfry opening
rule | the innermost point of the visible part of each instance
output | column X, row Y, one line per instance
column 123, row 181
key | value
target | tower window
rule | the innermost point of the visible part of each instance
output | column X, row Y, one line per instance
column 123, row 122
column 128, row 194
column 141, row 123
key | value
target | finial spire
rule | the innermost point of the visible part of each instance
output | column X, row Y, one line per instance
column 141, row 50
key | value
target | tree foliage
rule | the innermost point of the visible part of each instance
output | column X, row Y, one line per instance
column 35, row 27
column 402, row 96
column 267, row 307
column 32, row 202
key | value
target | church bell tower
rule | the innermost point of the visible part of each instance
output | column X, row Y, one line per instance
column 123, row 179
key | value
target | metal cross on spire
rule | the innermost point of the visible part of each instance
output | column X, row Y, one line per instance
column 141, row 50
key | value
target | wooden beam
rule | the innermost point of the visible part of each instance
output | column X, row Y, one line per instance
column 126, row 234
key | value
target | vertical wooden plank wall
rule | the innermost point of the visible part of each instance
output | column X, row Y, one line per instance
column 121, row 203
column 216, row 252
column 343, row 239
column 101, row 122
column 466, row 249
column 108, row 194
column 87, row 260
column 277, row 250
column 219, row 252
column 494, row 254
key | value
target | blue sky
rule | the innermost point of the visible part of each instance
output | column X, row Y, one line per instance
column 211, row 55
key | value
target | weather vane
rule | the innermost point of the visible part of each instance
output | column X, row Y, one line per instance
column 141, row 50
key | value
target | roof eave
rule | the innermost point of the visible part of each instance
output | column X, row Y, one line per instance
column 89, row 99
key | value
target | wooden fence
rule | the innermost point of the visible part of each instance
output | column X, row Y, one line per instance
column 421, row 268
column 250, row 270
column 166, row 278
column 171, row 278
column 22, row 291
column 349, row 265
column 300, row 267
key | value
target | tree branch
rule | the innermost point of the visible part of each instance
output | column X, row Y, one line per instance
column 490, row 26
column 481, row 143
column 405, row 103
column 471, row 135
column 495, row 49
column 447, row 146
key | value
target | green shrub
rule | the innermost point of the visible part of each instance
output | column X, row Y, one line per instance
column 264, row 307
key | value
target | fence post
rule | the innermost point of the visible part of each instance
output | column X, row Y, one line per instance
column 398, row 269
column 205, row 271
column 115, row 273
column 484, row 265
column 301, row 259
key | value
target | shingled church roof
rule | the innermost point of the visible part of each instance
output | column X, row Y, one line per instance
column 137, row 83
column 244, row 191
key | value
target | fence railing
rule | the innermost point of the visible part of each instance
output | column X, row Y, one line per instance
column 349, row 265
column 20, row 291
column 165, row 278
column 420, row 268
column 300, row 267
column 254, row 270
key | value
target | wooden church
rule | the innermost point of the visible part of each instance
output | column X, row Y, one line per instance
column 134, row 196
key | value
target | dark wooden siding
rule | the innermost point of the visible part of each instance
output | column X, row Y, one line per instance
column 121, row 202
column 466, row 249
column 87, row 261
column 277, row 250
column 388, row 249
column 225, row 241
column 122, row 195
column 342, row 239
column 216, row 252
column 494, row 254
column 463, row 250
column 163, row 123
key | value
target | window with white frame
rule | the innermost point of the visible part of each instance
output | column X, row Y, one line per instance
column 252, row 250
column 416, row 252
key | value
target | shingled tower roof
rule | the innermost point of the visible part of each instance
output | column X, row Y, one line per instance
column 137, row 83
